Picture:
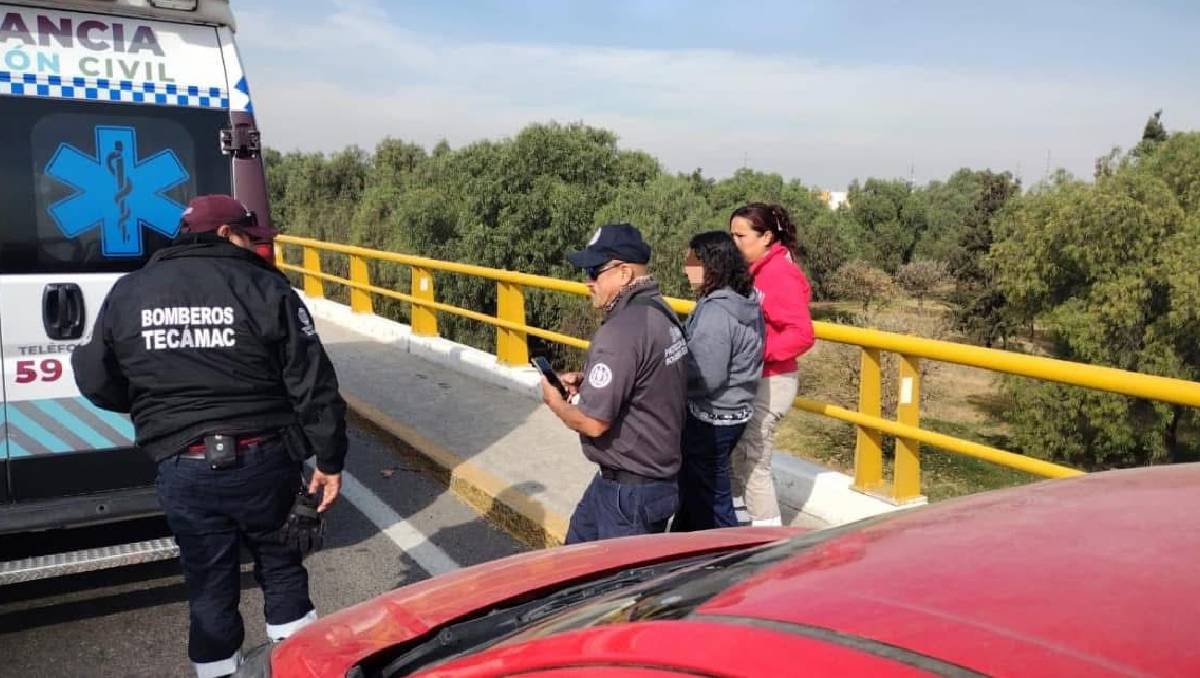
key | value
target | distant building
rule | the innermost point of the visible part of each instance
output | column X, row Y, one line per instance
column 835, row 199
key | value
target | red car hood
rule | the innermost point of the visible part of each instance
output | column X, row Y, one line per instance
column 1095, row 575
column 335, row 643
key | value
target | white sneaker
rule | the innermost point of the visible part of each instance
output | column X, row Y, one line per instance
column 278, row 632
column 220, row 668
column 740, row 512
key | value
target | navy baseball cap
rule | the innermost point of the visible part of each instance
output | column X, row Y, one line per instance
column 622, row 242
column 206, row 213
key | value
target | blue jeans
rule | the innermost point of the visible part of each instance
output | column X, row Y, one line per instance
column 211, row 513
column 705, row 497
column 609, row 509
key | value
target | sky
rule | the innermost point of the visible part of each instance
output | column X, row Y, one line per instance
column 823, row 92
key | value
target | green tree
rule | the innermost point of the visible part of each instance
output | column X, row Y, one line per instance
column 827, row 242
column 948, row 205
column 1108, row 269
column 1153, row 135
column 1154, row 130
column 520, row 203
column 891, row 217
column 981, row 308
column 523, row 203
column 668, row 212
column 746, row 186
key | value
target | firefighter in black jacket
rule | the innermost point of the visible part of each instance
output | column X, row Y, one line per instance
column 219, row 365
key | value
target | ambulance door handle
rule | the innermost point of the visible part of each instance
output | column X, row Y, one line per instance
column 63, row 313
column 76, row 315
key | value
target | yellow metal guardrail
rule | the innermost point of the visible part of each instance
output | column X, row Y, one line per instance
column 511, row 349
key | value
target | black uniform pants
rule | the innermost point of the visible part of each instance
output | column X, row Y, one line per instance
column 611, row 509
column 211, row 513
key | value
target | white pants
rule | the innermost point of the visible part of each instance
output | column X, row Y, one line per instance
column 751, row 461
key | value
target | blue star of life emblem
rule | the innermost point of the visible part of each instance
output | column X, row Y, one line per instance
column 116, row 192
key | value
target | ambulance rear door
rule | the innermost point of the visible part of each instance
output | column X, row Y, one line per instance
column 109, row 127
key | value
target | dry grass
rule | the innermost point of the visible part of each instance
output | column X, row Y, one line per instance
column 956, row 400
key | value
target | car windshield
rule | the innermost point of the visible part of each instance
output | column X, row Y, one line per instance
column 669, row 590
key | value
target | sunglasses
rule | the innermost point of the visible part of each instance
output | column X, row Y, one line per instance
column 593, row 272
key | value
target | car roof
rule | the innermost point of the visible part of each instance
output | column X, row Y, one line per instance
column 1095, row 574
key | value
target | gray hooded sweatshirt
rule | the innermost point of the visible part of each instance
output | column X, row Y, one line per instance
column 725, row 357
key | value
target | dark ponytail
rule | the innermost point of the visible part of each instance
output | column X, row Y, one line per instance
column 773, row 219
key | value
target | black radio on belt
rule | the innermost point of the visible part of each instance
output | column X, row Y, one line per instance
column 220, row 451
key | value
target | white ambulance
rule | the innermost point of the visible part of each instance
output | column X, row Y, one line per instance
column 113, row 114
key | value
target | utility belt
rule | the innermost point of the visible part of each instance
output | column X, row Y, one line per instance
column 221, row 450
column 722, row 418
column 304, row 528
column 628, row 478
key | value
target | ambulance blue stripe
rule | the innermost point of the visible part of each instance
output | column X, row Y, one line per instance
column 119, row 422
column 12, row 449
column 34, row 430
column 15, row 450
column 79, row 408
column 27, row 446
column 74, row 424
column 53, row 426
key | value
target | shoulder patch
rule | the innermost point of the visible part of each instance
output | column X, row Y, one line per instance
column 600, row 376
column 306, row 323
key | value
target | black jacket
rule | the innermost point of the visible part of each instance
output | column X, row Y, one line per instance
column 209, row 338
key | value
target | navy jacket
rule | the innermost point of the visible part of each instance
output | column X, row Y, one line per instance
column 209, row 338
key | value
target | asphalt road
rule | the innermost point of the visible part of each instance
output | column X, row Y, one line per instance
column 395, row 525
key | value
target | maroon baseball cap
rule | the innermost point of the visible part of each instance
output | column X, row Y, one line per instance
column 207, row 213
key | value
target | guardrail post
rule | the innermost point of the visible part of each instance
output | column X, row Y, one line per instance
column 868, row 452
column 360, row 300
column 906, row 481
column 280, row 257
column 424, row 320
column 314, row 287
column 512, row 347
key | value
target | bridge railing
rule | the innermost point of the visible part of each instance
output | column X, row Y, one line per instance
column 512, row 333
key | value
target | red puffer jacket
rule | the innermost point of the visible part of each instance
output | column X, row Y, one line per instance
column 784, row 293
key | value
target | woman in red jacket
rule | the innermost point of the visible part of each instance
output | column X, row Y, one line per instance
column 766, row 237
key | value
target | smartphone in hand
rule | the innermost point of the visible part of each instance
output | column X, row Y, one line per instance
column 548, row 372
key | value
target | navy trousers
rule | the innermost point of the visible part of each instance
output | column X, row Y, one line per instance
column 705, row 497
column 212, row 513
column 610, row 509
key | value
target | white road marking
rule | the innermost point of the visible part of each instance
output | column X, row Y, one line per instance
column 409, row 539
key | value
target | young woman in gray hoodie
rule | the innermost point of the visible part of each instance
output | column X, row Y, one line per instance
column 725, row 360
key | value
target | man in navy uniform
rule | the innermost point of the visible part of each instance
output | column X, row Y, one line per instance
column 632, row 393
column 219, row 365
